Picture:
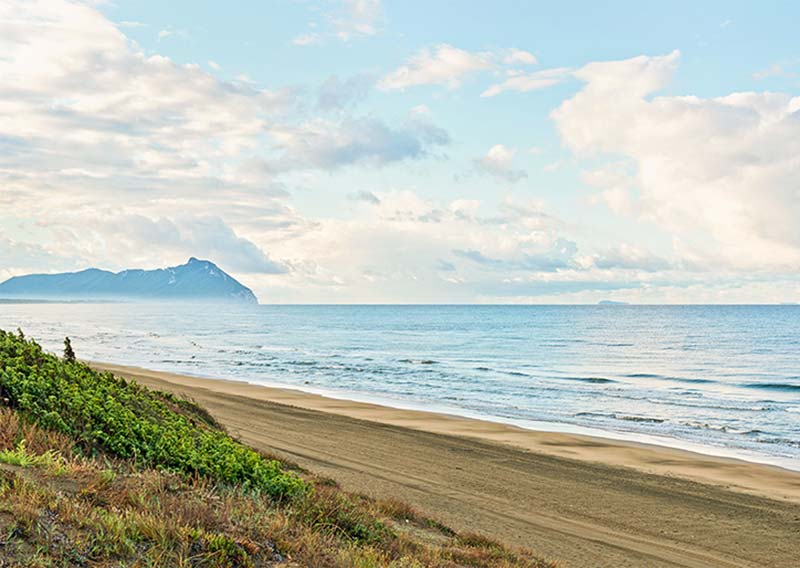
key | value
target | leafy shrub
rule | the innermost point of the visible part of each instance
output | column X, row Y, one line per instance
column 126, row 420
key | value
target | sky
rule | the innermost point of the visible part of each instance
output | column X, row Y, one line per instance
column 368, row 151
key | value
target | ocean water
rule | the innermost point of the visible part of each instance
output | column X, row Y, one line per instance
column 719, row 379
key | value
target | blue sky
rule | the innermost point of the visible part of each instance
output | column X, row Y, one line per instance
column 368, row 151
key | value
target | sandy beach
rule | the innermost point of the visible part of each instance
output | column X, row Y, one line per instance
column 585, row 501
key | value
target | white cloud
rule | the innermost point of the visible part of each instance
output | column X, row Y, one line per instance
column 324, row 144
column 777, row 70
column 442, row 65
column 306, row 39
column 366, row 197
column 516, row 56
column 406, row 247
column 499, row 162
column 616, row 182
column 346, row 20
column 358, row 18
column 176, row 239
column 630, row 257
column 173, row 33
column 718, row 173
column 18, row 257
column 97, row 134
column 338, row 94
column 214, row 65
column 526, row 82
column 447, row 65
column 113, row 157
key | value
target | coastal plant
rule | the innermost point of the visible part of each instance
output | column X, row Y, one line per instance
column 69, row 354
column 75, row 492
column 20, row 456
column 120, row 418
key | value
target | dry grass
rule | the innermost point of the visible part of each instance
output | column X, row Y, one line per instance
column 93, row 512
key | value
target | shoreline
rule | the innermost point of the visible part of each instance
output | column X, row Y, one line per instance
column 541, row 426
column 751, row 477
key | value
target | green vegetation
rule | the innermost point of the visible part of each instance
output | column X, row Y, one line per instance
column 126, row 420
column 97, row 471
column 19, row 456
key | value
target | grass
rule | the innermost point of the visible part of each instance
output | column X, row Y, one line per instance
column 71, row 496
column 20, row 456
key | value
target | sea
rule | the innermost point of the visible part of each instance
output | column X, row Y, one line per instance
column 722, row 380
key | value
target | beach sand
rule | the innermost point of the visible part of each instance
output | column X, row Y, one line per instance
column 586, row 501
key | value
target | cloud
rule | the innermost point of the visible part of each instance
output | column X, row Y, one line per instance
column 172, row 32
column 77, row 91
column 445, row 266
column 777, row 70
column 322, row 144
column 442, row 65
column 551, row 261
column 449, row 66
column 338, row 94
column 525, row 82
column 18, row 257
column 403, row 248
column 366, row 197
column 516, row 56
column 717, row 173
column 346, row 20
column 130, row 240
column 306, row 39
column 116, row 157
column 499, row 162
column 617, row 184
column 205, row 236
column 357, row 18
column 630, row 258
column 95, row 133
column 542, row 252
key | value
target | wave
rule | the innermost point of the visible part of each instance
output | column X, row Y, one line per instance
column 192, row 361
column 625, row 417
column 722, row 428
column 644, row 376
column 785, row 387
column 641, row 419
column 597, row 380
column 668, row 378
column 780, row 441
column 517, row 374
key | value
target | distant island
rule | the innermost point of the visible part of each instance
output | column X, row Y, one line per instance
column 197, row 280
column 612, row 303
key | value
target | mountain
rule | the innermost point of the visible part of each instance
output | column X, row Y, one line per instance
column 198, row 280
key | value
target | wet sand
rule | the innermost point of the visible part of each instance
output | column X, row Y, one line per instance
column 586, row 501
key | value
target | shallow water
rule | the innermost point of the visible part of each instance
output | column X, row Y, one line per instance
column 725, row 379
